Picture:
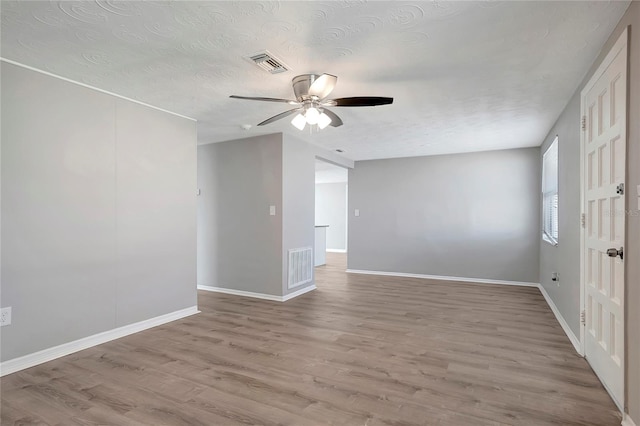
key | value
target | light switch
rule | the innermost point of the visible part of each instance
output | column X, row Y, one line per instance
column 272, row 210
column 356, row 212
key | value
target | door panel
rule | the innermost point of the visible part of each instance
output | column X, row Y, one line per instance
column 604, row 157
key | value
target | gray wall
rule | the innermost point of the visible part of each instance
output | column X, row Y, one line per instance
column 240, row 246
column 298, row 181
column 98, row 211
column 465, row 215
column 239, row 243
column 331, row 209
column 565, row 258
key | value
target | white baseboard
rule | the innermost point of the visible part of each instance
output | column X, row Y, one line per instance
column 336, row 250
column 444, row 278
column 240, row 293
column 45, row 355
column 567, row 330
column 257, row 295
column 299, row 292
column 626, row 420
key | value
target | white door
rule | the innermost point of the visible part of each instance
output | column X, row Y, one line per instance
column 604, row 104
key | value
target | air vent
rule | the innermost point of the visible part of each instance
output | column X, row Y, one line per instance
column 300, row 266
column 268, row 62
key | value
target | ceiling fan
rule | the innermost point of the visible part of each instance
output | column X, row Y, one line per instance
column 311, row 104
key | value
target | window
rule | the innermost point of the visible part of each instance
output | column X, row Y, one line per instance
column 550, row 193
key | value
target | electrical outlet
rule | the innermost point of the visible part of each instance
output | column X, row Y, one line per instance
column 5, row 316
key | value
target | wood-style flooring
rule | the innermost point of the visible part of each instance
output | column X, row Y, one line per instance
column 360, row 350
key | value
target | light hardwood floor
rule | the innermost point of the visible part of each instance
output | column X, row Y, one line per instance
column 360, row 350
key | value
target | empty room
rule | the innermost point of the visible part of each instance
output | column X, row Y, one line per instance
column 320, row 213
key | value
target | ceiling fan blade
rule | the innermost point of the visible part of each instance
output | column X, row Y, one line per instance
column 255, row 98
column 323, row 85
column 335, row 120
column 279, row 116
column 360, row 101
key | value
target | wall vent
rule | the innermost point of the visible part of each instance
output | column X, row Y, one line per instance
column 268, row 62
column 300, row 266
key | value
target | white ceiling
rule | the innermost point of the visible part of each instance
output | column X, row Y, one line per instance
column 466, row 76
column 330, row 173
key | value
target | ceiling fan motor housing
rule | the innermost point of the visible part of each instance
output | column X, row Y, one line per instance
column 301, row 85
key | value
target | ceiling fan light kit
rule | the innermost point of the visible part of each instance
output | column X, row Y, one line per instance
column 312, row 114
column 312, row 117
column 299, row 121
column 323, row 121
column 311, row 91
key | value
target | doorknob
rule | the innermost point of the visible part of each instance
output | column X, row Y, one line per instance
column 615, row 252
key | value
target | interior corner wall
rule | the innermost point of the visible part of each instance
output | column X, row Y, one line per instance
column 464, row 215
column 98, row 211
column 566, row 257
column 298, row 209
column 239, row 242
column 331, row 209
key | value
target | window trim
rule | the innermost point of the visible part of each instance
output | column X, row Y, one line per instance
column 550, row 196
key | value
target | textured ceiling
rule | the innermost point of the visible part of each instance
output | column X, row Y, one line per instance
column 466, row 76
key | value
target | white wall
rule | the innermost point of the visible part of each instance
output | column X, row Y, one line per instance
column 331, row 209
column 98, row 211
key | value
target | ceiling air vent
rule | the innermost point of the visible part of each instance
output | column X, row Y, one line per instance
column 268, row 62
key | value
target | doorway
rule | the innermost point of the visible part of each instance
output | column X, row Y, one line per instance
column 331, row 192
